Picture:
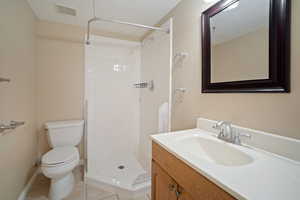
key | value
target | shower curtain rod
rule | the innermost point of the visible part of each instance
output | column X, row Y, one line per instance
column 120, row 22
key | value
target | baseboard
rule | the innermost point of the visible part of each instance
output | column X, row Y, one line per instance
column 25, row 190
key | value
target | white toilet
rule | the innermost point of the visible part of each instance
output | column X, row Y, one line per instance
column 58, row 163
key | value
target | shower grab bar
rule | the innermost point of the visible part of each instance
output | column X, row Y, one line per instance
column 4, row 80
column 10, row 126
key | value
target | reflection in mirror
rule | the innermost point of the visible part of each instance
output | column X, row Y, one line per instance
column 240, row 42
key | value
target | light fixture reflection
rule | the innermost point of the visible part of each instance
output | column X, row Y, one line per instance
column 120, row 68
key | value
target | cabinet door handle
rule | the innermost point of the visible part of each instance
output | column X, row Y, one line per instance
column 171, row 187
column 177, row 192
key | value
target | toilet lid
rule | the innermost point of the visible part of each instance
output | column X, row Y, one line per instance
column 60, row 155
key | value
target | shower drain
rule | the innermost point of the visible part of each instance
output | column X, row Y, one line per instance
column 121, row 167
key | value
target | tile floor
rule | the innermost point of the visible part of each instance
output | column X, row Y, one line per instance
column 40, row 189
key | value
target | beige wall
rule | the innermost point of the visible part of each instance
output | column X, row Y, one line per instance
column 58, row 31
column 60, row 75
column 242, row 58
column 276, row 113
column 17, row 98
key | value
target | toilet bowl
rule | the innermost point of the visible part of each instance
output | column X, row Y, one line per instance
column 57, row 164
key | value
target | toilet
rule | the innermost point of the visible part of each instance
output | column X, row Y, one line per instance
column 59, row 162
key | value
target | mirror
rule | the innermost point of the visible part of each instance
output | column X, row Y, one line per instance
column 244, row 48
column 239, row 42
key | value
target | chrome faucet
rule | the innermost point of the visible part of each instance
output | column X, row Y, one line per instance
column 227, row 133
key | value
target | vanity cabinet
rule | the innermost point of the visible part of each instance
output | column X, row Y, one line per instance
column 163, row 185
column 172, row 179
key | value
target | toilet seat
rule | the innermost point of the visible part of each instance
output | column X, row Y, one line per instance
column 60, row 156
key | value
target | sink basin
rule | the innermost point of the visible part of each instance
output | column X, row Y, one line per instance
column 214, row 150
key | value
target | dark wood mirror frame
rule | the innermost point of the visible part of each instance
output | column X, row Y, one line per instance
column 279, row 52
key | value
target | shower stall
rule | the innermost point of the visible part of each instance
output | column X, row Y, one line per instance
column 128, row 95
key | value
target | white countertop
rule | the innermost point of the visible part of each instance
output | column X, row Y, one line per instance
column 268, row 177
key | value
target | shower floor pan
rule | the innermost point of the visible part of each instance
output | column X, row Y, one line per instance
column 126, row 178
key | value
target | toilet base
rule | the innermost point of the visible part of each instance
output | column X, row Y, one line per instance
column 62, row 187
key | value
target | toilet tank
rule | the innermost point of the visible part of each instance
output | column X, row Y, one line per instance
column 64, row 133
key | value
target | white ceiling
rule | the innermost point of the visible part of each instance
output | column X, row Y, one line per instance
column 250, row 15
column 147, row 12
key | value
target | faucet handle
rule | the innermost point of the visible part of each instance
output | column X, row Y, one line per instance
column 218, row 124
column 215, row 126
column 245, row 135
column 237, row 138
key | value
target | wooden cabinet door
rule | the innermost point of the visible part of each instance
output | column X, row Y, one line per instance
column 195, row 184
column 163, row 186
